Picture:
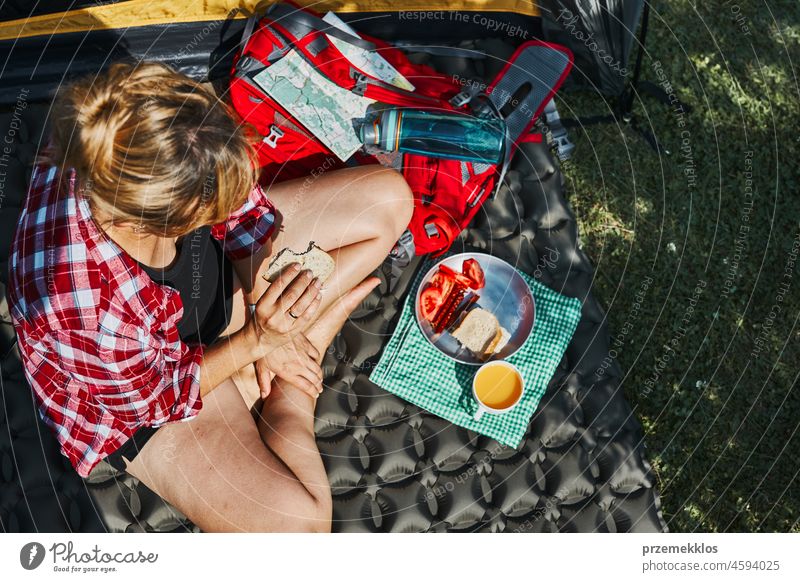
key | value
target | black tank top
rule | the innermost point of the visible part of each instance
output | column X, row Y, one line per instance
column 204, row 279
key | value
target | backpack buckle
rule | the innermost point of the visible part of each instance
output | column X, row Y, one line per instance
column 460, row 99
column 558, row 132
column 404, row 250
column 360, row 87
column 275, row 133
column 431, row 230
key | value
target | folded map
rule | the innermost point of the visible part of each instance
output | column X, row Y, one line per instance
column 321, row 106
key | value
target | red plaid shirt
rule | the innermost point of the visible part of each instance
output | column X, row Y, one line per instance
column 98, row 337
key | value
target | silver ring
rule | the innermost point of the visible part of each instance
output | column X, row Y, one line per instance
column 292, row 315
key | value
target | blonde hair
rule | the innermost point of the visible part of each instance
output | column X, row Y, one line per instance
column 152, row 147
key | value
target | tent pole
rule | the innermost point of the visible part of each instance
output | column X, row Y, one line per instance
column 627, row 97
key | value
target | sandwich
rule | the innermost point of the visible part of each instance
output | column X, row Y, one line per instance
column 314, row 259
column 481, row 333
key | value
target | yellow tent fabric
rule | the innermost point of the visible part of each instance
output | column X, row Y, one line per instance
column 147, row 12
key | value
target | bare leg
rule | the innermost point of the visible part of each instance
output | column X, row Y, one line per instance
column 356, row 214
column 217, row 471
column 286, row 424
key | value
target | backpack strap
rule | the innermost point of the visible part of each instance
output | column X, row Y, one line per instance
column 250, row 24
column 249, row 27
column 439, row 50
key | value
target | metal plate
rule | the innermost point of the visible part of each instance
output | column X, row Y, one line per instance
column 505, row 294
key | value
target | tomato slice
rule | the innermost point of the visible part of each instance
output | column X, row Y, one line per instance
column 440, row 280
column 471, row 275
column 447, row 281
column 446, row 271
column 473, row 271
column 430, row 300
column 444, row 280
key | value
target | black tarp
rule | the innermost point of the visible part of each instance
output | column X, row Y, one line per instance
column 601, row 34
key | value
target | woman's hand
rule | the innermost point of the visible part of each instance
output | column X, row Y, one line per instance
column 282, row 312
column 289, row 363
column 264, row 377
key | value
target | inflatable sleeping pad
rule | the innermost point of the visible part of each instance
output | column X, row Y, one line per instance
column 392, row 467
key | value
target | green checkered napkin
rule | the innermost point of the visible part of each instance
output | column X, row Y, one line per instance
column 414, row 370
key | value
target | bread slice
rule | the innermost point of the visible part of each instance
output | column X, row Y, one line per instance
column 478, row 330
column 499, row 342
column 314, row 258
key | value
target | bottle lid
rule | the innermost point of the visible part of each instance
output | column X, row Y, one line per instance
column 369, row 132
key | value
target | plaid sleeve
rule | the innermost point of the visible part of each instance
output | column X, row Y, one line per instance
column 249, row 228
column 133, row 378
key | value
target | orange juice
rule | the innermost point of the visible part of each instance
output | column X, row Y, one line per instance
column 498, row 386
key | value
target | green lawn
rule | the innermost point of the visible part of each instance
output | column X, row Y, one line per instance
column 711, row 371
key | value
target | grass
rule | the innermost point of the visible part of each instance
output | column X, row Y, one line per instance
column 712, row 371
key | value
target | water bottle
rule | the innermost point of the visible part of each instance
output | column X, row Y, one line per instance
column 439, row 135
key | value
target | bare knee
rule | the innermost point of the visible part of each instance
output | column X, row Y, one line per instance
column 394, row 205
column 401, row 205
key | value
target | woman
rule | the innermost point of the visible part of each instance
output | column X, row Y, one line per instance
column 136, row 294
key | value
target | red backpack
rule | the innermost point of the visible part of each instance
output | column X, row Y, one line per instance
column 447, row 192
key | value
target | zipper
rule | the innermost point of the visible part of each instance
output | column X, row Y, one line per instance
column 282, row 121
